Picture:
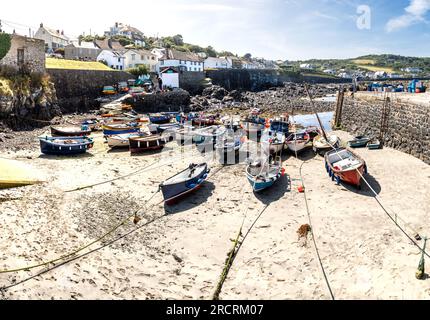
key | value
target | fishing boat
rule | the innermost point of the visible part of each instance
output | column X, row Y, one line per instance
column 172, row 127
column 313, row 132
column 253, row 130
column 280, row 126
column 185, row 135
column 115, row 129
column 159, row 118
column 204, row 122
column 297, row 142
column 374, row 144
column 228, row 148
column 359, row 142
column 72, row 131
column 122, row 140
column 206, row 138
column 92, row 124
column 321, row 145
column 273, row 141
column 147, row 143
column 231, row 122
column 184, row 182
column 343, row 164
column 262, row 173
column 65, row 145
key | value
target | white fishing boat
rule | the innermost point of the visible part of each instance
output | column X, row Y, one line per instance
column 273, row 141
column 121, row 140
column 297, row 142
column 321, row 145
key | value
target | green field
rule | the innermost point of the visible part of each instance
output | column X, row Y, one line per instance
column 374, row 68
column 53, row 63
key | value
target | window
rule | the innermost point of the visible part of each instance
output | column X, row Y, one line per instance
column 20, row 56
column 119, row 60
column 180, row 61
column 133, row 57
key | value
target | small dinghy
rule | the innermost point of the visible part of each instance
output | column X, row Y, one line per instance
column 262, row 173
column 321, row 146
column 206, row 138
column 359, row 142
column 159, row 118
column 184, row 182
column 115, row 129
column 65, row 145
column 297, row 142
column 122, row 140
column 72, row 131
column 228, row 148
column 374, row 144
column 344, row 165
column 146, row 143
column 273, row 141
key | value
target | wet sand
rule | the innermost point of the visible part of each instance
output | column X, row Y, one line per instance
column 182, row 254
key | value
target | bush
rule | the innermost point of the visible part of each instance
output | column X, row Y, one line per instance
column 5, row 43
column 139, row 71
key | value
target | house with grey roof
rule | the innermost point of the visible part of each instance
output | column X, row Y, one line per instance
column 81, row 50
column 54, row 39
column 184, row 61
column 121, row 29
column 113, row 59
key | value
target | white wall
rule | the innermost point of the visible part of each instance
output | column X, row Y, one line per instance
column 189, row 65
column 113, row 61
column 170, row 80
column 215, row 63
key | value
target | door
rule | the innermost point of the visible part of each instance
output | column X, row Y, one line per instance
column 20, row 55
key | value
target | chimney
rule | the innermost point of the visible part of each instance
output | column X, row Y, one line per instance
column 110, row 43
column 58, row 31
column 62, row 32
column 41, row 24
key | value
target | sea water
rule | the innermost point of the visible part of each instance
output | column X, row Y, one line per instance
column 310, row 120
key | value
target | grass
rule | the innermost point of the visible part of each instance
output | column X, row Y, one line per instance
column 320, row 75
column 375, row 68
column 5, row 87
column 364, row 62
column 52, row 63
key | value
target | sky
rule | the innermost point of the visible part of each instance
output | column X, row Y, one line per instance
column 273, row 29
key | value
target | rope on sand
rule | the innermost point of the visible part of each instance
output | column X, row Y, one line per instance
column 134, row 215
column 313, row 234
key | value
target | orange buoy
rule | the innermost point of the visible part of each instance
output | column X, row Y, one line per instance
column 267, row 123
column 283, row 171
column 301, row 189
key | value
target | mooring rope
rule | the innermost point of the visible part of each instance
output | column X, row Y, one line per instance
column 136, row 213
column 313, row 234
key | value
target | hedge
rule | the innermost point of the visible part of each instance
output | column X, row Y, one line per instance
column 5, row 44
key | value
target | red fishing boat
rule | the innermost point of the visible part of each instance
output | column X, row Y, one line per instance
column 344, row 165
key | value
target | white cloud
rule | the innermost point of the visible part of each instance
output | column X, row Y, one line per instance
column 415, row 13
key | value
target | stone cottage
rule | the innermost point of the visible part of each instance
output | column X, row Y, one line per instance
column 25, row 52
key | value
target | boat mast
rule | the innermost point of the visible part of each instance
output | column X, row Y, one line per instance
column 316, row 113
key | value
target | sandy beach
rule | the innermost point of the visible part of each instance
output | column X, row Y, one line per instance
column 182, row 253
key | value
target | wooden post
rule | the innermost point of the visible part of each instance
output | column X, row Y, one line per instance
column 339, row 107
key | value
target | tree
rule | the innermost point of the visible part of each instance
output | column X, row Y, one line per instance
column 178, row 40
column 211, row 52
column 5, row 43
column 247, row 56
column 139, row 71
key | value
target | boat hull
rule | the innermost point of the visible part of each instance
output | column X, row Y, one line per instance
column 349, row 170
column 48, row 146
column 172, row 193
column 139, row 145
column 58, row 132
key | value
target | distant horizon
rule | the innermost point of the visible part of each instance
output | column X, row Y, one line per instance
column 274, row 29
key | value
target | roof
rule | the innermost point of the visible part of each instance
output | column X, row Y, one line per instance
column 55, row 33
column 119, row 54
column 85, row 45
column 109, row 45
column 126, row 28
column 142, row 52
column 172, row 54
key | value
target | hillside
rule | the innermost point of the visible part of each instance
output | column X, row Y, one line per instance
column 387, row 62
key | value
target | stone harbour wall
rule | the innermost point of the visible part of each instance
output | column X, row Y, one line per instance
column 409, row 125
column 171, row 101
column 78, row 89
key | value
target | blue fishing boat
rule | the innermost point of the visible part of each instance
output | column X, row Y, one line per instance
column 159, row 118
column 263, row 173
column 184, row 182
column 65, row 145
column 115, row 129
column 280, row 126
